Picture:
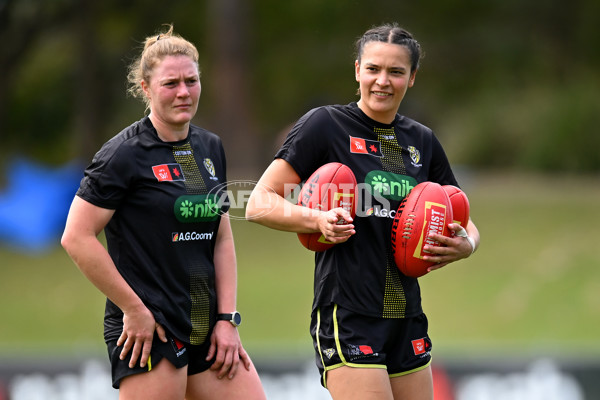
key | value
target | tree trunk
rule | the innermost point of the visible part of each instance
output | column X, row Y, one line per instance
column 229, row 83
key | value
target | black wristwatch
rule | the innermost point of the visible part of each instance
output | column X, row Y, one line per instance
column 235, row 318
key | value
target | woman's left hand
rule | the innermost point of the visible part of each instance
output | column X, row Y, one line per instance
column 226, row 347
column 453, row 248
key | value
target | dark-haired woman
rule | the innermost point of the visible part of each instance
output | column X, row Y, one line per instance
column 368, row 327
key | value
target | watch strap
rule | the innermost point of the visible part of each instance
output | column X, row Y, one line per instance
column 234, row 318
column 225, row 317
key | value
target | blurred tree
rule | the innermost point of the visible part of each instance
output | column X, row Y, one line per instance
column 22, row 23
column 88, row 110
column 228, row 82
column 505, row 84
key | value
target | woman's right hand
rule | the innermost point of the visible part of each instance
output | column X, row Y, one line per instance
column 137, row 335
column 336, row 225
column 80, row 239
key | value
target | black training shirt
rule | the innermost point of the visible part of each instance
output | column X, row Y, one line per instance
column 163, row 232
column 388, row 161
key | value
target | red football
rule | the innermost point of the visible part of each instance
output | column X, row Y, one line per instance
column 460, row 205
column 424, row 211
column 331, row 186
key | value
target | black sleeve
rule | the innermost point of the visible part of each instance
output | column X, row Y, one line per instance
column 108, row 177
column 305, row 147
column 440, row 170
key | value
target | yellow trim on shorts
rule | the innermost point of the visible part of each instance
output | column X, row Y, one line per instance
column 412, row 370
column 149, row 363
column 338, row 347
column 319, row 342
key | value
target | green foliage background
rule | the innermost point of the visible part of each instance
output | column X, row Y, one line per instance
column 505, row 84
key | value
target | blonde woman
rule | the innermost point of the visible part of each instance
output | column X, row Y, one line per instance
column 169, row 273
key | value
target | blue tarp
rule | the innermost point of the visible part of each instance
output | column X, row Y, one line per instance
column 35, row 203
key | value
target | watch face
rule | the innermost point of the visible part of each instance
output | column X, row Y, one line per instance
column 236, row 318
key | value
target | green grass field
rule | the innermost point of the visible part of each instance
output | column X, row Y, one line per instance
column 532, row 287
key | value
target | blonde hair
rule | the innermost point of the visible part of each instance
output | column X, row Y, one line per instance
column 156, row 48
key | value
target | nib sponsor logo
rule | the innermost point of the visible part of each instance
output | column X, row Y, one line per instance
column 195, row 208
column 388, row 185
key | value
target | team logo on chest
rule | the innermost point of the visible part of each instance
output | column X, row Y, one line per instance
column 415, row 156
column 210, row 167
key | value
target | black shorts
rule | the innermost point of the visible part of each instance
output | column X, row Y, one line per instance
column 345, row 338
column 178, row 353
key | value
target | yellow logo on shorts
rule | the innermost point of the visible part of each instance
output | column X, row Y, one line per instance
column 329, row 353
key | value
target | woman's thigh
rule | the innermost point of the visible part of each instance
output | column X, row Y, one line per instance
column 348, row 383
column 244, row 385
column 163, row 382
column 415, row 386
